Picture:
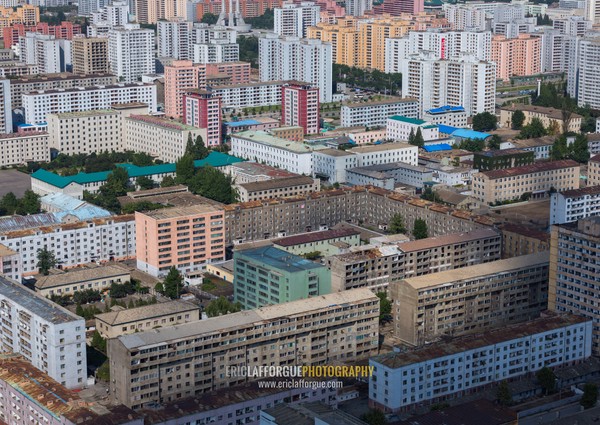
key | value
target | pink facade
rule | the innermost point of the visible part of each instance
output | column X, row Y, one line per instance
column 300, row 106
column 516, row 56
column 66, row 30
column 238, row 72
column 187, row 238
column 181, row 76
column 398, row 7
column 203, row 110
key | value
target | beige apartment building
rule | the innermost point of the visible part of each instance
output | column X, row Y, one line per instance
column 520, row 240
column 537, row 180
column 376, row 267
column 187, row 360
column 145, row 318
column 546, row 115
column 278, row 188
column 594, row 171
column 90, row 55
column 470, row 299
column 79, row 279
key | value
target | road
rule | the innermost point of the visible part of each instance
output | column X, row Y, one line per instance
column 552, row 415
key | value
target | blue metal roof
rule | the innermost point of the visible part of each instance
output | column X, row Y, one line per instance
column 437, row 148
column 62, row 202
column 447, row 129
column 241, row 123
column 278, row 259
column 470, row 134
column 444, row 109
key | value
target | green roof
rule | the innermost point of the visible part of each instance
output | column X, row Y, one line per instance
column 414, row 121
column 214, row 159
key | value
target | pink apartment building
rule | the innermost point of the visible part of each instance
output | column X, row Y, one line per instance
column 516, row 56
column 238, row 72
column 187, row 238
column 181, row 76
column 203, row 110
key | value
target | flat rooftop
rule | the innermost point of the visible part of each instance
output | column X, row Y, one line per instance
column 89, row 88
column 473, row 272
column 316, row 236
column 277, row 183
column 452, row 239
column 502, row 152
column 80, row 275
column 256, row 169
column 276, row 142
column 278, row 259
column 146, row 312
column 381, row 148
column 335, row 152
column 162, row 122
column 530, row 169
column 246, row 318
column 576, row 193
column 61, row 76
column 35, row 303
column 386, row 101
column 533, row 143
column 85, row 114
column 183, row 212
column 449, row 346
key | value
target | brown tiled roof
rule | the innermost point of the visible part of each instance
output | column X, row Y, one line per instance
column 316, row 236
column 590, row 190
column 531, row 168
column 553, row 113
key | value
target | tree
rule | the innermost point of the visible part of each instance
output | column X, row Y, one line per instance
column 517, row 120
column 590, row 396
column 46, row 261
column 546, row 379
column 173, row 283
column 559, row 149
column 494, row 141
column 411, row 136
column 213, row 184
column 9, row 203
column 98, row 342
column 29, row 204
column 484, row 121
column 419, row 140
column 385, row 306
column 167, row 181
column 144, row 182
column 579, row 149
column 503, row 394
column 420, row 229
column 312, row 255
column 209, row 18
column 374, row 417
column 429, row 195
column 184, row 169
column 159, row 287
column 588, row 124
column 397, row 224
column 553, row 128
column 200, row 150
column 532, row 130
column 221, row 306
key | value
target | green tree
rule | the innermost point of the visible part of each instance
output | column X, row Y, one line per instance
column 546, row 379
column 494, row 142
column 30, row 203
column 411, row 137
column 397, row 224
column 532, row 130
column 559, row 149
column 159, row 287
column 184, row 169
column 588, row 124
column 46, row 261
column 579, row 149
column 221, row 306
column 209, row 18
column 144, row 182
column 517, row 120
column 374, row 417
column 98, row 342
column 200, row 150
column 385, row 306
column 420, row 229
column 79, row 310
column 9, row 203
column 213, row 184
column 590, row 396
column 167, row 181
column 484, row 121
column 312, row 255
column 266, row 21
column 429, row 195
column 142, row 159
column 173, row 283
column 503, row 394
column 419, row 140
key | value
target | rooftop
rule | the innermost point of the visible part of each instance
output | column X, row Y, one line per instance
column 391, row 167
column 310, row 414
column 526, row 231
column 184, row 212
column 256, row 169
column 61, row 76
column 6, row 251
column 91, row 88
column 576, row 193
column 278, row 259
column 277, row 142
column 445, row 110
column 475, row 412
column 246, row 318
column 35, row 303
column 335, row 152
column 316, row 236
column 498, row 268
column 115, row 318
column 530, row 169
column 80, row 275
column 381, row 148
column 503, row 152
column 408, row 120
column 85, row 114
column 437, row 148
column 387, row 101
column 470, row 134
column 278, row 183
column 450, row 346
column 451, row 239
column 533, row 143
column 550, row 112
column 162, row 122
column 22, row 222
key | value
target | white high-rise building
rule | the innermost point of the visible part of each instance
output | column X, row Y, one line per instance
column 444, row 44
column 131, row 52
column 107, row 17
column 592, row 11
column 293, row 19
column 41, row 50
column 204, row 33
column 217, row 51
column 464, row 81
column 588, row 66
column 575, row 26
column 464, row 17
column 292, row 58
column 358, row 7
column 88, row 7
column 174, row 37
column 6, row 124
column 47, row 335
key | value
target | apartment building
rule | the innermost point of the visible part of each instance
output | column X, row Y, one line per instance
column 277, row 188
column 248, row 9
column 326, row 242
column 43, row 50
column 330, row 165
column 202, row 109
column 17, row 69
column 247, row 95
column 547, row 116
column 23, row 14
column 540, row 146
column 463, row 365
column 65, row 30
column 48, row 336
column 6, row 121
column 574, row 205
column 262, row 147
column 372, row 206
column 300, row 106
column 385, row 153
column 187, row 238
column 470, row 299
column 215, row 51
column 21, row 148
column 174, row 38
column 465, row 17
column 376, row 113
column 400, row 128
column 131, row 52
column 502, row 159
column 268, row 275
column 250, row 172
column 375, row 267
column 537, row 180
column 388, row 176
column 73, row 243
column 453, row 116
column 140, row 319
column 238, row 72
column 293, row 20
column 39, row 104
column 293, row 132
column 516, row 56
column 594, row 171
column 64, row 80
column 10, row 264
column 90, row 55
column 574, row 248
column 588, row 61
column 311, row 331
column 293, row 58
column 180, row 77
column 68, row 282
column 520, row 240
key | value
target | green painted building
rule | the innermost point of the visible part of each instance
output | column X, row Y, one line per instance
column 502, row 159
column 268, row 275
